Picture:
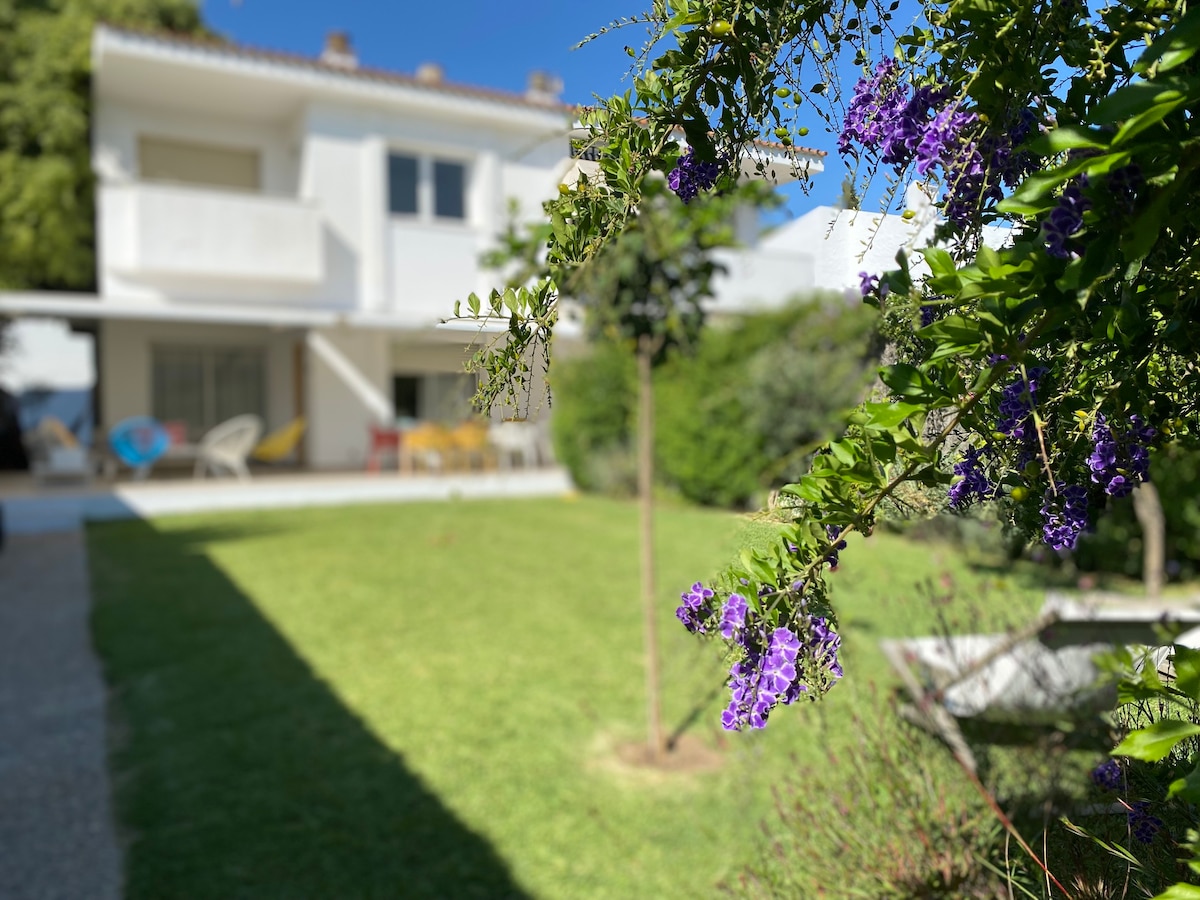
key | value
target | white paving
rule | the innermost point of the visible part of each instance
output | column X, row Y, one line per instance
column 63, row 508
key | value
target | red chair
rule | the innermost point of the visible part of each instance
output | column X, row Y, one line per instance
column 383, row 440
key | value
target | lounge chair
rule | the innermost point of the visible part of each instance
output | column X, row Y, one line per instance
column 1034, row 675
column 280, row 443
column 57, row 453
column 227, row 447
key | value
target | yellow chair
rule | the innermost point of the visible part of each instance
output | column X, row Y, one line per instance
column 470, row 442
column 428, row 442
column 280, row 443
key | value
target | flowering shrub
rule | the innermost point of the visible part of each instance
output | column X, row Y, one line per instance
column 1075, row 127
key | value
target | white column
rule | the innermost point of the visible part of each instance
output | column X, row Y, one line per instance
column 373, row 249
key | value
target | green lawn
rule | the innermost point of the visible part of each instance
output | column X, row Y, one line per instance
column 422, row 700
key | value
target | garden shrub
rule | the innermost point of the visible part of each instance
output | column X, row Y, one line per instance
column 905, row 824
column 595, row 408
column 741, row 399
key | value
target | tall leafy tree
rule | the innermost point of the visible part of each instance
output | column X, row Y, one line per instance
column 47, row 237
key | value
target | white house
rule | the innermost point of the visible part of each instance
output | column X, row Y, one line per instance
column 280, row 235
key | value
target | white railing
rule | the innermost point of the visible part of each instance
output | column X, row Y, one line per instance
column 152, row 232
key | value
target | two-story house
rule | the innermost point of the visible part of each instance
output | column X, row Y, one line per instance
column 281, row 235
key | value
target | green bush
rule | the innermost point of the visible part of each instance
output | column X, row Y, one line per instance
column 724, row 411
column 595, row 408
column 746, row 398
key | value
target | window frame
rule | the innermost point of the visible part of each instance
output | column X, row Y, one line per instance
column 427, row 202
column 208, row 355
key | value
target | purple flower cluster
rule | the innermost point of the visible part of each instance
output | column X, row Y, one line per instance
column 770, row 669
column 1107, row 775
column 867, row 283
column 1017, row 402
column 877, row 101
column 942, row 144
column 697, row 608
column 1120, row 462
column 1064, row 517
column 884, row 117
column 692, row 175
column 762, row 680
column 1066, row 220
column 973, row 485
column 1143, row 825
column 1124, row 184
column 974, row 176
column 833, row 532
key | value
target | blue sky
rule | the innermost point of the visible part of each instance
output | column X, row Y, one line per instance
column 484, row 42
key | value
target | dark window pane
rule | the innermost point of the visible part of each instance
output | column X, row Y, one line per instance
column 402, row 184
column 406, row 390
column 178, row 388
column 449, row 181
column 239, row 385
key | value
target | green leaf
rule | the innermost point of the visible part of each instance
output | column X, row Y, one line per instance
column 1179, row 891
column 1139, row 123
column 1175, row 47
column 1187, row 671
column 885, row 416
column 1134, row 99
column 1068, row 137
column 1187, row 787
column 685, row 18
column 1152, row 743
column 844, row 451
column 987, row 258
column 939, row 261
column 910, row 383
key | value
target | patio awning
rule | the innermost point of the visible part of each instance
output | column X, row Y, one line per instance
column 90, row 307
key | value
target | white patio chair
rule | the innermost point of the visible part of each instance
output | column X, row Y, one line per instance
column 513, row 440
column 227, row 446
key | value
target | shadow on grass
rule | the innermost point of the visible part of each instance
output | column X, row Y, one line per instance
column 238, row 772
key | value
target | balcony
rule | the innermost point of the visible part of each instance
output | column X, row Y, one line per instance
column 205, row 238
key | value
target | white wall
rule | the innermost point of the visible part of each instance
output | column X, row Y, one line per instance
column 333, row 157
column 339, row 421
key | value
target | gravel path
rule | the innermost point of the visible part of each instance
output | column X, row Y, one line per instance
column 57, row 837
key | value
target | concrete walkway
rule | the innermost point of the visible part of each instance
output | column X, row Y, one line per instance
column 57, row 836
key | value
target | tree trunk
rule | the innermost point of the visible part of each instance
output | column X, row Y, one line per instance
column 645, row 461
column 1148, row 509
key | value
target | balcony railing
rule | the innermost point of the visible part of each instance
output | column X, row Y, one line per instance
column 166, row 233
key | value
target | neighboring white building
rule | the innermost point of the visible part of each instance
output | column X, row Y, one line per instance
column 281, row 236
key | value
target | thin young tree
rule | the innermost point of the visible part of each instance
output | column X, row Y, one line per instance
column 646, row 290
